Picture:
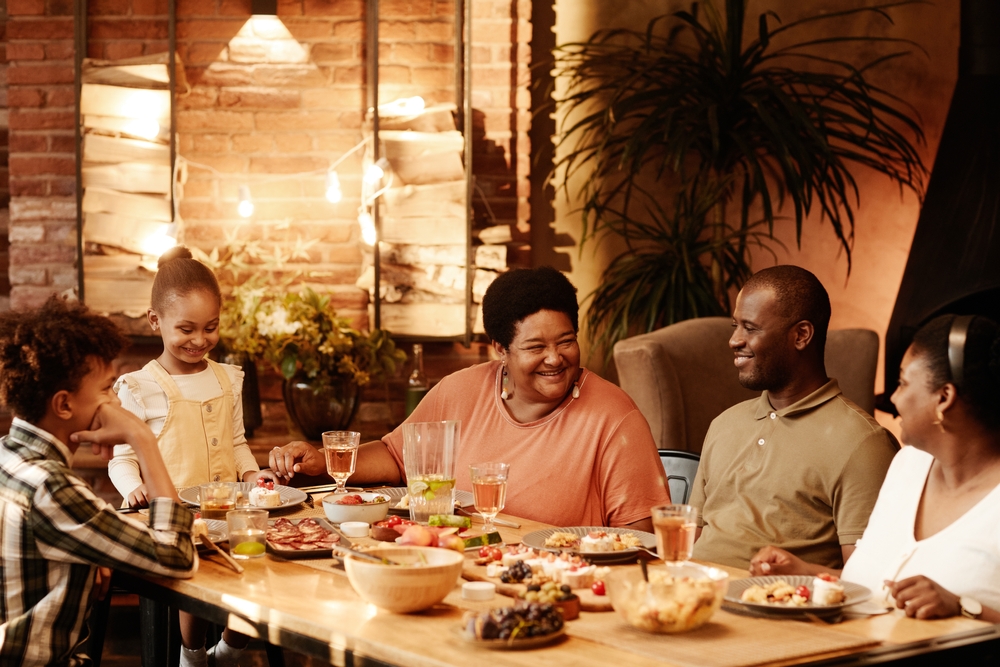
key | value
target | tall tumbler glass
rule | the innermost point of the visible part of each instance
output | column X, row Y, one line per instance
column 429, row 460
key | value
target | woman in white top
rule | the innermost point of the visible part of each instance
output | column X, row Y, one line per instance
column 933, row 540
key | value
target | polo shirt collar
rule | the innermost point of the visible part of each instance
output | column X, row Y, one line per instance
column 41, row 441
column 825, row 393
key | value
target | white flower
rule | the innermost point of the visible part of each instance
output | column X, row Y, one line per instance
column 276, row 323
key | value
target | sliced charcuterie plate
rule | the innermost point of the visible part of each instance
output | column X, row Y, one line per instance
column 303, row 538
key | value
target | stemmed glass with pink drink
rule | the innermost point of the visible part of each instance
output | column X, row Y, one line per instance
column 341, row 450
column 489, row 490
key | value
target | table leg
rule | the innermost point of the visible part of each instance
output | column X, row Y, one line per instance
column 154, row 624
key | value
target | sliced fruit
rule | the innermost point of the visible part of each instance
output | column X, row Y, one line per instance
column 249, row 549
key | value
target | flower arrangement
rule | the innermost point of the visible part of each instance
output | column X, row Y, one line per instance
column 296, row 331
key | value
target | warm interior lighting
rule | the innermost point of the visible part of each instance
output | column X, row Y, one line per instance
column 158, row 243
column 367, row 224
column 245, row 207
column 147, row 128
column 375, row 172
column 405, row 106
column 333, row 191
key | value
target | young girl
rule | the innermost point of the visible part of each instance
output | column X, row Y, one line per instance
column 193, row 406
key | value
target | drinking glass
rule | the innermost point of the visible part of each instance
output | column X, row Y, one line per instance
column 247, row 533
column 429, row 460
column 216, row 499
column 675, row 526
column 341, row 449
column 489, row 488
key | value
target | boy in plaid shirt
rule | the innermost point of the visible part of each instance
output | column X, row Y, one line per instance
column 57, row 539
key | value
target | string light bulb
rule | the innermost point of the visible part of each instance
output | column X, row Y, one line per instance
column 158, row 243
column 245, row 207
column 405, row 106
column 367, row 224
column 333, row 191
column 146, row 128
column 375, row 172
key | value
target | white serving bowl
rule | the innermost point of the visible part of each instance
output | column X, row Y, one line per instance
column 370, row 513
column 677, row 598
column 425, row 577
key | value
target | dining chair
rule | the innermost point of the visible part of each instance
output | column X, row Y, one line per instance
column 682, row 376
column 680, row 467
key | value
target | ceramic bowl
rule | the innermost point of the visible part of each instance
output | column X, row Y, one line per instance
column 368, row 513
column 677, row 597
column 425, row 577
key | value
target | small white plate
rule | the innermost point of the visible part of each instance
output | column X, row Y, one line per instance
column 536, row 540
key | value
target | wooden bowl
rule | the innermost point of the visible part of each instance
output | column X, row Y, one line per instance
column 426, row 576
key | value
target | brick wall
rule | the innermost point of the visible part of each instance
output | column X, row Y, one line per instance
column 4, row 172
column 39, row 39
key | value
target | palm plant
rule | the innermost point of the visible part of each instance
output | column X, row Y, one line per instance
column 729, row 126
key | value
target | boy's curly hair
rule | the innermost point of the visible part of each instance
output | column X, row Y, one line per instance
column 48, row 349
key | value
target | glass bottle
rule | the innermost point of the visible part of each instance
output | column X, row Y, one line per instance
column 417, row 384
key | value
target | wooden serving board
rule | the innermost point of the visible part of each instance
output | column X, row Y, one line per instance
column 588, row 601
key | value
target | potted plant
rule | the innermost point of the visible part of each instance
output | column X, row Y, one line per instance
column 691, row 109
column 323, row 360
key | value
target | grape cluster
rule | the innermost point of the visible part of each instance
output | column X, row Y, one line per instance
column 529, row 620
column 550, row 591
column 516, row 573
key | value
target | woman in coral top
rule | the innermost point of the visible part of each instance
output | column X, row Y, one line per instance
column 580, row 451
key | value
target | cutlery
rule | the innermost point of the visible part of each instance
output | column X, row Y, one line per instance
column 365, row 556
column 497, row 522
column 207, row 541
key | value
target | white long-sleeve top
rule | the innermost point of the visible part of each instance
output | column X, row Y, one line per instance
column 150, row 405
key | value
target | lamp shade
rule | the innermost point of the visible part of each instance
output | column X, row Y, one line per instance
column 264, row 7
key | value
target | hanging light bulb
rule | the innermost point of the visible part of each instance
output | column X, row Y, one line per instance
column 376, row 171
column 333, row 192
column 245, row 207
column 367, row 224
column 404, row 106
column 158, row 243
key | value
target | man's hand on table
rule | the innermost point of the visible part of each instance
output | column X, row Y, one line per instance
column 296, row 457
column 773, row 560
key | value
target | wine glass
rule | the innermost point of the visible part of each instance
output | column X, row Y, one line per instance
column 341, row 449
column 489, row 489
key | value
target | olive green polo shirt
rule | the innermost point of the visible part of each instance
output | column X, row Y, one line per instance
column 804, row 478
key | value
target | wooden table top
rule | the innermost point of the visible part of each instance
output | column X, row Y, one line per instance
column 310, row 606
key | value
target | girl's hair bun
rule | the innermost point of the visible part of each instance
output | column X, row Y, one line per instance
column 177, row 252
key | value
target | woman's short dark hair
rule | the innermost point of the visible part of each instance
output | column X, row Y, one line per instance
column 178, row 274
column 47, row 350
column 519, row 293
column 981, row 371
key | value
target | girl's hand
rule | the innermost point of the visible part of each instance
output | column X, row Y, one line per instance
column 138, row 497
column 252, row 476
column 296, row 457
column 920, row 597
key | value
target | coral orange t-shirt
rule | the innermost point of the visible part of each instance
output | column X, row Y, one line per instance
column 591, row 462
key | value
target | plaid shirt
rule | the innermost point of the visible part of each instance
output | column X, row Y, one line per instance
column 54, row 534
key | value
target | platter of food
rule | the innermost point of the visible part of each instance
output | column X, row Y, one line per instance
column 526, row 626
column 595, row 543
column 399, row 499
column 303, row 538
column 784, row 595
column 249, row 494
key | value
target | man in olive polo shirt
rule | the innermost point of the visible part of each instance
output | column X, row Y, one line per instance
column 801, row 466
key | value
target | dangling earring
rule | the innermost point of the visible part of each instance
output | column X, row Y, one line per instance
column 505, row 390
column 576, row 390
column 940, row 421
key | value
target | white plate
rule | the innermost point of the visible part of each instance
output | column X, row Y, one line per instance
column 464, row 498
column 536, row 540
column 218, row 531
column 854, row 593
column 289, row 496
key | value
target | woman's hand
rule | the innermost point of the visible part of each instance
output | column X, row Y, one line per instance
column 772, row 560
column 296, row 456
column 920, row 597
column 138, row 498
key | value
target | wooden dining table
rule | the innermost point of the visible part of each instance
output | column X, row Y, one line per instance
column 309, row 606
